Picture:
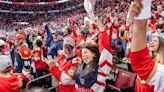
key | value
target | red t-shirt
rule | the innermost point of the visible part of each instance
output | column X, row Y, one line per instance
column 9, row 84
column 37, row 58
column 142, row 63
column 143, row 87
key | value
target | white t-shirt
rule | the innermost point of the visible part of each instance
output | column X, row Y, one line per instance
column 158, row 79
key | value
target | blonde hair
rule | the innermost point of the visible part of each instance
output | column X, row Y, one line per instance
column 159, row 58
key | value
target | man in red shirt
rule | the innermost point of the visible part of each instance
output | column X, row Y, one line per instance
column 64, row 67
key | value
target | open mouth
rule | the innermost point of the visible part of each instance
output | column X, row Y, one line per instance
column 151, row 45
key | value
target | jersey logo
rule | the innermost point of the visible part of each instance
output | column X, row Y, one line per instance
column 71, row 71
column 25, row 52
column 82, row 81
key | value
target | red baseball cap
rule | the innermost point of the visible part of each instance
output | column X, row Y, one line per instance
column 21, row 36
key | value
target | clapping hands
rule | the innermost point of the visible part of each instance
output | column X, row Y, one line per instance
column 50, row 61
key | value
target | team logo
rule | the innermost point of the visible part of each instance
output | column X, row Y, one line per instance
column 71, row 71
column 25, row 52
column 82, row 81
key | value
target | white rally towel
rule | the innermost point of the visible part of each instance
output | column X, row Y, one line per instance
column 146, row 11
column 89, row 6
column 87, row 20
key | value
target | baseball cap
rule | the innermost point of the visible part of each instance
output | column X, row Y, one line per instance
column 5, row 62
column 2, row 42
column 69, row 41
column 21, row 36
column 59, row 33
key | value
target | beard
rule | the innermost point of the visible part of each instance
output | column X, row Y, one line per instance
column 69, row 55
column 19, row 42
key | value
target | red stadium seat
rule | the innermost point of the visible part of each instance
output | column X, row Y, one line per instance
column 125, row 82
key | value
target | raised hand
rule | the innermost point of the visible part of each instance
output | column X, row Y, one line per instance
column 98, row 23
column 138, row 25
column 134, row 11
column 50, row 61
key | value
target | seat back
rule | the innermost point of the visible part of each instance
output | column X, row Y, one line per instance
column 125, row 79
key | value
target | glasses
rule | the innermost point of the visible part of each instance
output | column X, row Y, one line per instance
column 2, row 46
column 68, row 48
column 159, row 26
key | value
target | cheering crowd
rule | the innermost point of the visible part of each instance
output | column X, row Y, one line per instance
column 78, row 50
column 38, row 7
column 31, row 0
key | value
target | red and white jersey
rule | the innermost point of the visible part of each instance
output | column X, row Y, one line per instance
column 64, row 72
column 38, row 58
column 148, row 70
column 105, row 61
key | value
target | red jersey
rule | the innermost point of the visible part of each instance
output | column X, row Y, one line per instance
column 9, row 84
column 37, row 58
column 140, row 87
column 64, row 71
column 148, row 70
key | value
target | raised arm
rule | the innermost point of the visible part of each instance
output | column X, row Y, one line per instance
column 105, row 61
column 141, row 62
column 49, row 36
column 138, row 35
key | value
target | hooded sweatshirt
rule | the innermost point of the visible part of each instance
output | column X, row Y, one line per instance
column 9, row 84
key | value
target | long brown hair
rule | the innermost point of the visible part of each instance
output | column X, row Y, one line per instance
column 160, row 50
column 95, row 50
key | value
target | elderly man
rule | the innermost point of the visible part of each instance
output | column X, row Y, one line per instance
column 63, row 68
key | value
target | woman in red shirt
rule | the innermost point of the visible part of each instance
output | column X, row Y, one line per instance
column 38, row 58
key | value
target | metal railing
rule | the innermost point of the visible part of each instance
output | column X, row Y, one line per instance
column 37, row 79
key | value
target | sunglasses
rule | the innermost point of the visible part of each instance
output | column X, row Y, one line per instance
column 159, row 26
column 69, row 48
column 2, row 46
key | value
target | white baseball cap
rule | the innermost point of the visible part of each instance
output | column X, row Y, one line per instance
column 2, row 42
column 69, row 41
column 5, row 62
